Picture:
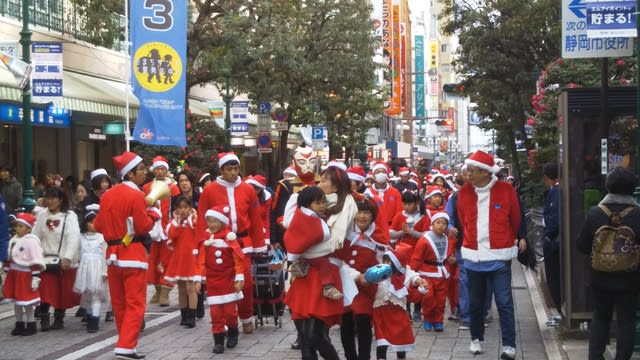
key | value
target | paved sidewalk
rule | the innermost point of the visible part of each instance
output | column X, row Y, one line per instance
column 165, row 339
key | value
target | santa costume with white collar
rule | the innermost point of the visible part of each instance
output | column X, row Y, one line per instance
column 387, row 197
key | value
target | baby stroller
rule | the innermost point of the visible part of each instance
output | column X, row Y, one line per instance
column 268, row 295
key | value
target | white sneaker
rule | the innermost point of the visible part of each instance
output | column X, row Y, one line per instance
column 475, row 347
column 508, row 353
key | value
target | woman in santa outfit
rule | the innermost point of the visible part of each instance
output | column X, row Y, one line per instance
column 59, row 233
column 392, row 326
column 23, row 277
column 259, row 184
column 387, row 197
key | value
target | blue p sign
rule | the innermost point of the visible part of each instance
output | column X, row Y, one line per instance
column 317, row 133
column 264, row 107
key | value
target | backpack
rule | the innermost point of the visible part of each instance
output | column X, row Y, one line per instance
column 614, row 246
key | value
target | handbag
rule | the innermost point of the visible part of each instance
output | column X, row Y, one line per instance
column 53, row 262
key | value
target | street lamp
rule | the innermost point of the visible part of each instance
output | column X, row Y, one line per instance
column 227, row 98
column 28, row 201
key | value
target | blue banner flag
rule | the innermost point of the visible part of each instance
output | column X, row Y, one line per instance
column 419, row 66
column 159, row 39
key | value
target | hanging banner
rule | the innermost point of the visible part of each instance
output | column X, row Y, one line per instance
column 376, row 18
column 387, row 50
column 403, row 68
column 239, row 118
column 216, row 110
column 419, row 66
column 158, row 35
column 396, row 87
column 46, row 77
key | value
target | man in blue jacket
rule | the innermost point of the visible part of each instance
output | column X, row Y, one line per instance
column 552, row 242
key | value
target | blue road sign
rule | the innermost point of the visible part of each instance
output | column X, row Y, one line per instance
column 264, row 107
column 317, row 133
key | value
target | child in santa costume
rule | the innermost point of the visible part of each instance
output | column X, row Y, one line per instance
column 431, row 258
column 434, row 200
column 265, row 199
column 409, row 225
column 387, row 197
column 391, row 324
column 223, row 264
column 183, row 265
column 23, row 278
column 92, row 271
column 308, row 225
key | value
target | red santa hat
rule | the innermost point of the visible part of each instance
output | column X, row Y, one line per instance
column 404, row 171
column 412, row 174
column 257, row 180
column 439, row 215
column 204, row 177
column 483, row 160
column 159, row 161
column 381, row 165
column 337, row 164
column 26, row 219
column 433, row 190
column 224, row 158
column 126, row 162
column 98, row 172
column 400, row 256
column 219, row 213
column 290, row 171
column 356, row 173
column 437, row 175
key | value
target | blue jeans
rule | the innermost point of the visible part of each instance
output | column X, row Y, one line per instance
column 500, row 281
column 463, row 289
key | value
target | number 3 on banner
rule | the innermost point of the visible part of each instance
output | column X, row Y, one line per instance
column 162, row 19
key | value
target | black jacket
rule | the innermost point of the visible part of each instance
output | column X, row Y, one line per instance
column 595, row 219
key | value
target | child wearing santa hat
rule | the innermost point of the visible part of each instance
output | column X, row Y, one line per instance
column 391, row 324
column 25, row 263
column 223, row 264
column 409, row 225
column 433, row 254
column 434, row 200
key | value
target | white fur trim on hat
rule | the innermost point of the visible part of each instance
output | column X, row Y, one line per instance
column 98, row 172
column 355, row 177
column 255, row 183
column 227, row 158
column 379, row 166
column 290, row 171
column 203, row 176
column 156, row 164
column 434, row 192
column 132, row 164
column 395, row 261
column 218, row 215
column 439, row 215
column 338, row 164
column 492, row 169
column 24, row 222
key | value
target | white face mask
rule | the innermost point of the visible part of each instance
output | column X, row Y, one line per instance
column 382, row 178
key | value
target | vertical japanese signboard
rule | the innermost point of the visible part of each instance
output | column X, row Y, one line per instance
column 46, row 77
column 396, row 56
column 158, row 34
column 419, row 66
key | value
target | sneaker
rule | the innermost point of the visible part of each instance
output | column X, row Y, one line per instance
column 438, row 327
column 427, row 326
column 464, row 325
column 417, row 316
column 133, row 355
column 475, row 347
column 552, row 322
column 454, row 316
column 508, row 353
column 332, row 293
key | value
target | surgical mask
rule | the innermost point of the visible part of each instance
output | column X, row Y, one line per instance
column 382, row 178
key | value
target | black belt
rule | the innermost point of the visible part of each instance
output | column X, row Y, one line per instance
column 119, row 242
column 242, row 234
column 431, row 262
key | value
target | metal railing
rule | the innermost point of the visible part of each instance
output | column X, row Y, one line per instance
column 61, row 17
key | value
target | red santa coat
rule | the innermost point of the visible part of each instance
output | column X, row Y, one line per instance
column 25, row 262
column 361, row 251
column 426, row 259
column 490, row 218
column 265, row 215
column 244, row 212
column 183, row 264
column 120, row 203
column 223, row 264
column 389, row 201
column 305, row 230
column 415, row 222
column 382, row 227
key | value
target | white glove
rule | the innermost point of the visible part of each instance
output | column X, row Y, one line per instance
column 35, row 283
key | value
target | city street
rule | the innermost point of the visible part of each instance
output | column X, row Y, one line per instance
column 165, row 339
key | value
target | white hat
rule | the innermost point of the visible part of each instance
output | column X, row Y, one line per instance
column 484, row 161
column 98, row 172
column 439, row 215
column 337, row 164
column 218, row 213
column 224, row 158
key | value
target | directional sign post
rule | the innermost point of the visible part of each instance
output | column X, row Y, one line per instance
column 319, row 137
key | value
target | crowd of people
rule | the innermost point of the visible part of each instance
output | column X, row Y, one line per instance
column 446, row 238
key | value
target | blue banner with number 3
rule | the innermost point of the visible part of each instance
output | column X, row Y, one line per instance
column 158, row 60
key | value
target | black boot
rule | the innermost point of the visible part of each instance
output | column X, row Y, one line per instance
column 36, row 312
column 183, row 319
column 218, row 341
column 108, row 317
column 92, row 324
column 19, row 329
column 200, row 306
column 58, row 320
column 296, row 344
column 307, row 350
column 82, row 312
column 190, row 318
column 44, row 322
column 30, row 329
column 232, row 337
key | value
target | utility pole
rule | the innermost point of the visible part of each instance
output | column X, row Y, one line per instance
column 28, row 200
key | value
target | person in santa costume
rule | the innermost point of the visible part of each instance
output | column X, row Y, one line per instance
column 224, row 269
column 403, row 184
column 259, row 183
column 244, row 213
column 391, row 324
column 25, row 263
column 435, row 202
column 489, row 214
column 182, row 268
column 433, row 254
column 409, row 225
column 357, row 177
column 388, row 198
column 160, row 255
column 124, row 216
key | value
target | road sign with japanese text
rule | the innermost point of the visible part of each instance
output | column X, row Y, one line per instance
column 608, row 19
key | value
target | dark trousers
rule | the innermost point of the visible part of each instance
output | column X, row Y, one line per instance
column 315, row 338
column 352, row 326
column 625, row 306
column 551, row 251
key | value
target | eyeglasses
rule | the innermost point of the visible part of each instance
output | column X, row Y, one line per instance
column 474, row 171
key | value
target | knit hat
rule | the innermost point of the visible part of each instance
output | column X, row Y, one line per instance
column 224, row 158
column 98, row 172
column 257, row 180
column 484, row 161
column 403, row 171
column 356, row 173
column 433, row 190
column 26, row 219
column 159, row 161
column 439, row 215
column 126, row 162
column 290, row 171
column 219, row 212
column 400, row 256
column 381, row 165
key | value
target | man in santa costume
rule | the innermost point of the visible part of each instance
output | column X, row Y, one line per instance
column 160, row 254
column 388, row 198
column 124, row 215
column 244, row 212
column 489, row 214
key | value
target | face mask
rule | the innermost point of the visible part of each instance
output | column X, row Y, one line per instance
column 381, row 178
